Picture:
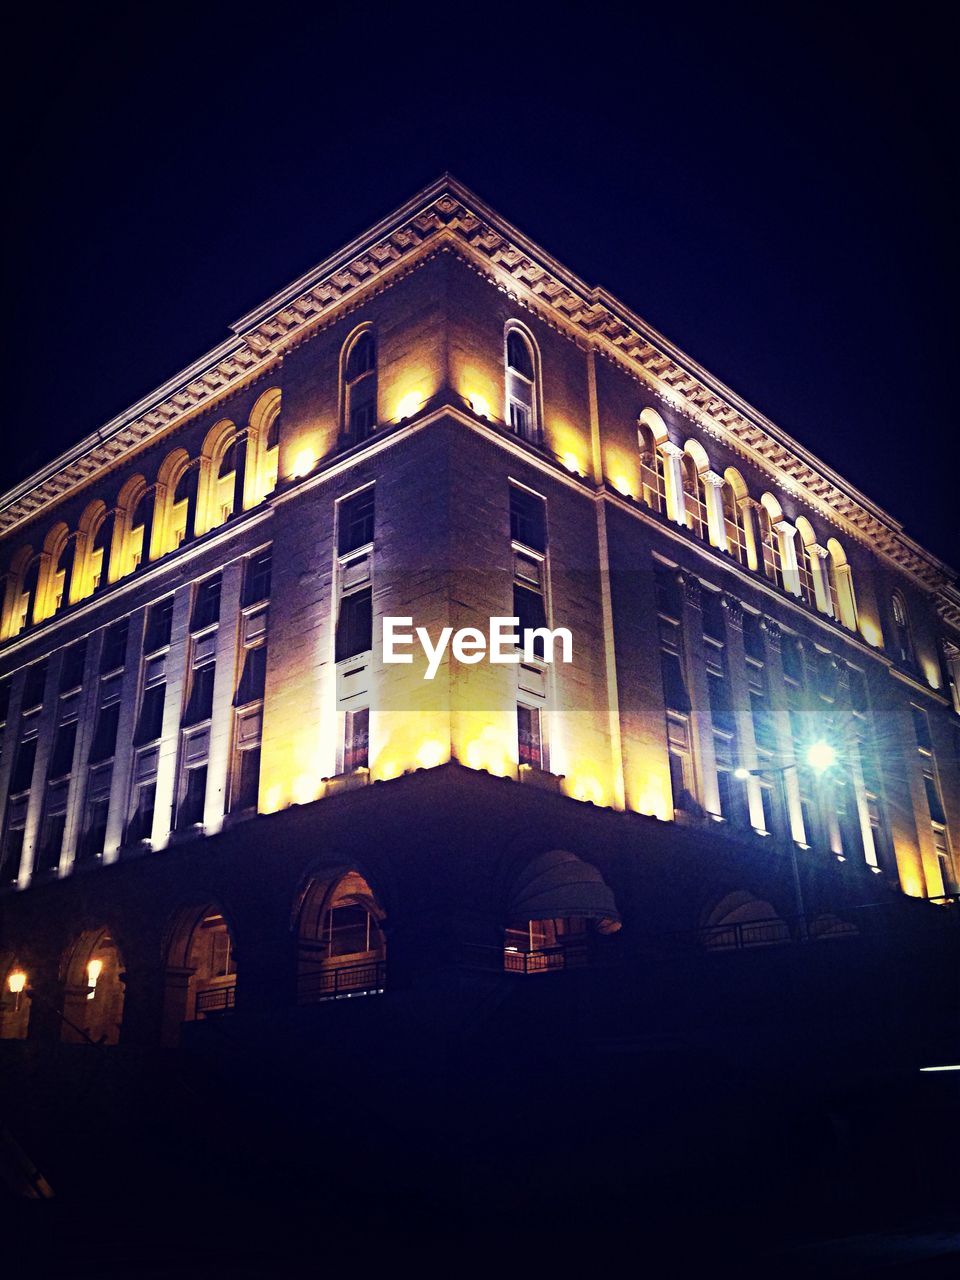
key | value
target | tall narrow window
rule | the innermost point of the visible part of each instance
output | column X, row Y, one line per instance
column 522, row 390
column 693, row 497
column 355, row 522
column 355, row 624
column 360, row 388
column 653, row 487
column 770, row 547
column 902, row 638
column 529, row 739
column 356, row 740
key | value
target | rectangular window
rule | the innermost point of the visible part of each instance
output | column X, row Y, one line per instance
column 61, row 758
column 528, row 607
column 355, row 522
column 206, row 606
column 150, row 722
column 12, row 851
column 256, row 581
column 33, row 687
column 858, row 691
column 253, row 676
column 529, row 738
column 363, row 413
column 713, row 623
column 246, row 787
column 105, row 736
column 921, row 727
column 71, row 673
column 5, row 688
column 200, row 702
column 51, row 839
column 22, row 775
column 95, row 826
column 355, row 624
column 674, row 688
column 520, row 419
column 159, row 626
column 356, row 740
column 792, row 658
column 140, row 826
column 721, row 709
column 113, row 655
column 753, row 636
column 528, row 519
column 194, row 797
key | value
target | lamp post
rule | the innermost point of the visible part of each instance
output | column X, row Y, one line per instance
column 820, row 756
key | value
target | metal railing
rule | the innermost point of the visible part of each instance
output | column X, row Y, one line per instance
column 577, row 955
column 216, row 999
column 362, row 977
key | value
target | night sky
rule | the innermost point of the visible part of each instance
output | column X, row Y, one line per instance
column 771, row 194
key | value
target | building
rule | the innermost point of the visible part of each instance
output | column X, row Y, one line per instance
column 223, row 809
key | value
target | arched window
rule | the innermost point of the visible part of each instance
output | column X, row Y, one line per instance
column 359, row 408
column 805, row 566
column 341, row 947
column 743, row 920
column 26, row 605
column 768, row 514
column 140, row 536
column 201, row 976
column 93, row 989
column 694, row 499
column 521, row 380
column 734, row 518
column 653, row 488
column 264, row 446
column 842, row 595
column 902, row 635
column 183, row 507
column 557, row 905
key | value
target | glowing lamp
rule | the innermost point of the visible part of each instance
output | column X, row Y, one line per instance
column 479, row 404
column 303, row 463
column 17, row 981
column 821, row 756
column 94, row 970
column 741, row 773
column 409, row 405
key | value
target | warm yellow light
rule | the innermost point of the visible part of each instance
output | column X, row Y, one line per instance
column 306, row 788
column 17, row 981
column 821, row 756
column 273, row 800
column 622, row 485
column 303, row 463
column 932, row 673
column 572, row 463
column 588, row 790
column 431, row 753
column 94, row 970
column 479, row 404
column 871, row 633
column 409, row 405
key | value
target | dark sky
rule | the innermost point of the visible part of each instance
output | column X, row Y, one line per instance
column 771, row 193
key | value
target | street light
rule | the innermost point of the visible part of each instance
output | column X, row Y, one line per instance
column 820, row 756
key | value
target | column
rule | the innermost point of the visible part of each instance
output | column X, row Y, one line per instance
column 787, row 533
column 747, row 507
column 172, row 707
column 790, row 792
column 740, row 698
column 673, row 481
column 86, row 727
column 713, row 494
column 851, row 750
column 38, row 783
column 701, row 721
column 126, row 728
column 221, row 721
column 821, row 584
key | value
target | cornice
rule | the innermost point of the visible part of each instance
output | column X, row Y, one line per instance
column 447, row 215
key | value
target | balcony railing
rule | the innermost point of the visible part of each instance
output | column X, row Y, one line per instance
column 216, row 999
column 361, row 978
column 576, row 955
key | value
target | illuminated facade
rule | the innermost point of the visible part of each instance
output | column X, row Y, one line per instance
column 442, row 423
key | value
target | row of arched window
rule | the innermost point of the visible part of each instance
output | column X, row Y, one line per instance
column 235, row 470
column 681, row 484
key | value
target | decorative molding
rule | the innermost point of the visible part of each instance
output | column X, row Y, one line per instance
column 734, row 610
column 447, row 216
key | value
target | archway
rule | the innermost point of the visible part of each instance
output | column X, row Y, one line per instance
column 93, row 989
column 557, row 906
column 200, row 978
column 341, row 949
column 741, row 919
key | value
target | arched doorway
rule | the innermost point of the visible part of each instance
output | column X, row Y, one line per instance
column 93, row 989
column 201, row 969
column 741, row 919
column 341, row 949
column 557, row 907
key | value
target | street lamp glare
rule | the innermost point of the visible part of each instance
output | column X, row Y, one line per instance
column 820, row 756
column 741, row 773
